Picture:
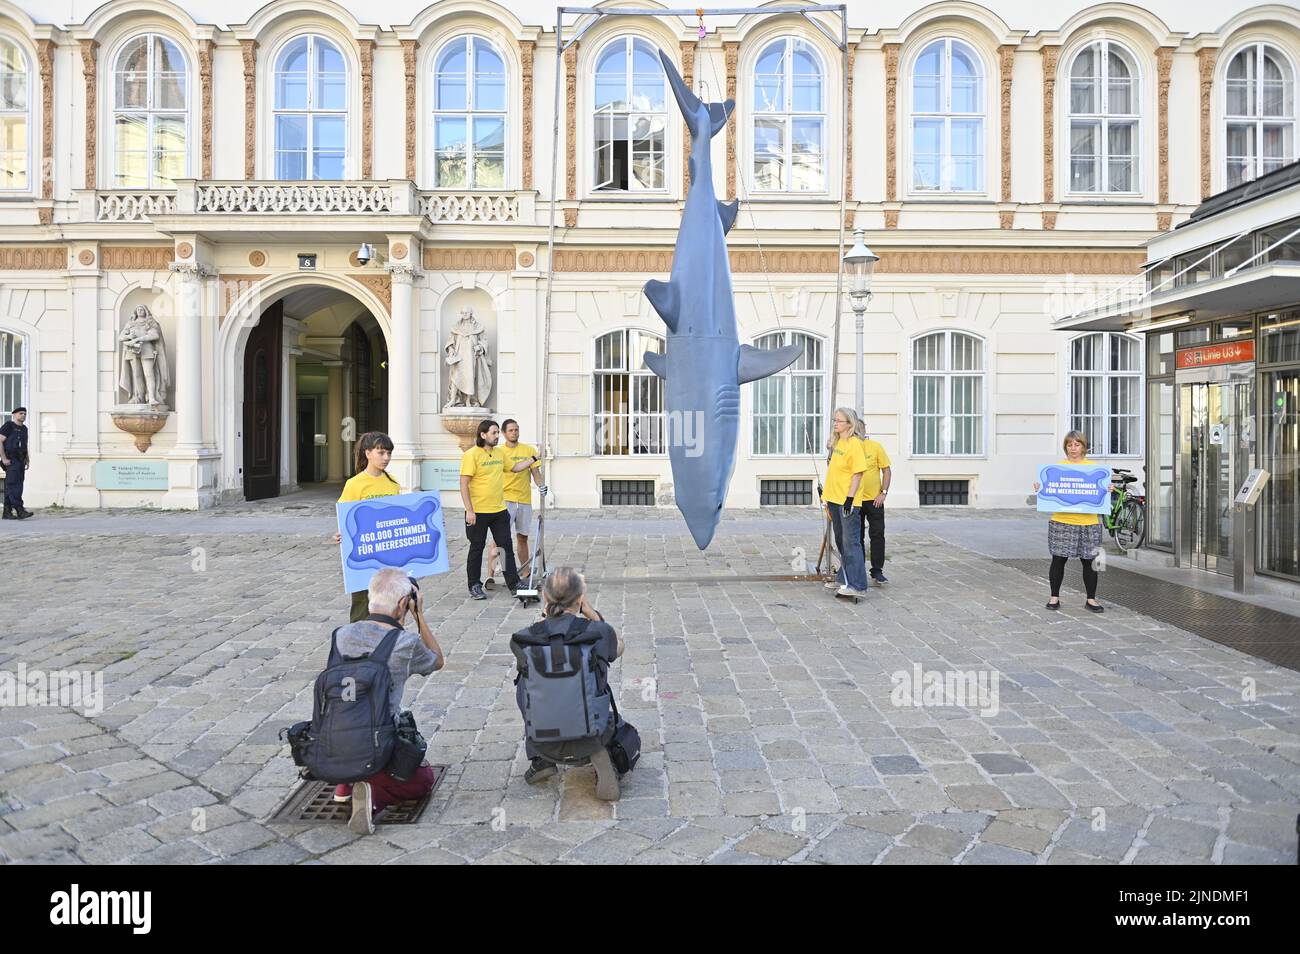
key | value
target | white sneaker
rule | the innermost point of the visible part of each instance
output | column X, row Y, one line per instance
column 363, row 820
column 842, row 591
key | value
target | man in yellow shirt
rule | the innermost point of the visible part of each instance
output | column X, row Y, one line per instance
column 482, row 490
column 871, row 504
column 518, row 493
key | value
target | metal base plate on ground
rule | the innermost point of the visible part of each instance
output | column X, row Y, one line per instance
column 1264, row 633
column 313, row 803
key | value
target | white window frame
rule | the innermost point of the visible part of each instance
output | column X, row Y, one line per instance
column 1103, row 117
column 26, row 115
column 1259, row 121
column 787, row 115
column 947, row 116
column 787, row 375
column 150, row 112
column 634, row 369
column 23, row 370
column 470, row 113
column 599, row 188
column 310, row 111
column 1103, row 447
column 946, row 375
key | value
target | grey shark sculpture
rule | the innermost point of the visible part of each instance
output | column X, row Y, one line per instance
column 704, row 363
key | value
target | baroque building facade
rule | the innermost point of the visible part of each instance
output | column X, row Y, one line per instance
column 222, row 166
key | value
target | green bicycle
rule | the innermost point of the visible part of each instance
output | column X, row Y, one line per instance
column 1127, row 520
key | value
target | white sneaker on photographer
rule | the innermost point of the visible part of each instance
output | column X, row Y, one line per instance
column 362, row 821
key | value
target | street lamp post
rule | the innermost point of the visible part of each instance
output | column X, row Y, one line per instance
column 861, row 265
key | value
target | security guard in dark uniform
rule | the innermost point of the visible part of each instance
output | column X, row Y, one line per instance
column 13, row 456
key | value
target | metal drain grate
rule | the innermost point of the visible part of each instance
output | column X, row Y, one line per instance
column 1264, row 633
column 313, row 803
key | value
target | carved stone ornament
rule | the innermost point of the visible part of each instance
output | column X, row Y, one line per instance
column 1207, row 59
column 257, row 258
column 462, row 423
column 205, row 104
column 86, row 257
column 1007, row 59
column 366, row 50
column 731, row 55
column 891, row 218
column 526, row 260
column 1050, row 55
column 141, row 424
column 891, row 128
column 398, row 250
column 89, row 72
column 469, row 367
column 408, row 64
column 570, row 126
column 526, row 48
column 184, row 250
column 45, row 54
column 1164, row 68
column 249, row 50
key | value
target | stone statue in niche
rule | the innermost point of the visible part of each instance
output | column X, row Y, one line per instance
column 143, row 372
column 468, row 365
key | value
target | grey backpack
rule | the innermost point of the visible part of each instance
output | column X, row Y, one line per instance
column 565, row 696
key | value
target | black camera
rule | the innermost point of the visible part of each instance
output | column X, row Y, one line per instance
column 414, row 594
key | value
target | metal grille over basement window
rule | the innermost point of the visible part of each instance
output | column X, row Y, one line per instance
column 627, row 493
column 776, row 493
column 945, row 493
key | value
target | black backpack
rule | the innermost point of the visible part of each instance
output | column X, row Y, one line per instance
column 352, row 732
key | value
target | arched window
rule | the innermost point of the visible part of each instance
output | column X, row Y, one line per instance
column 789, row 118
column 948, row 119
column 1106, row 392
column 631, row 117
column 14, row 117
column 13, row 372
column 311, row 110
column 469, row 116
column 1104, row 120
column 789, row 413
column 948, row 394
column 150, row 114
column 1259, row 111
column 629, row 416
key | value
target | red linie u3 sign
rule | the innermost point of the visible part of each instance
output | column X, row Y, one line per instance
column 1229, row 352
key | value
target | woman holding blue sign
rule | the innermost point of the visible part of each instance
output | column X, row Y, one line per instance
column 1071, row 535
column 374, row 450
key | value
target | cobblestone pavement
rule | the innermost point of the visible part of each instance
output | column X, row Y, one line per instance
column 765, row 708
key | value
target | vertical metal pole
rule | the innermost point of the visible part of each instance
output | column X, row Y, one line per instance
column 859, row 319
column 1243, row 548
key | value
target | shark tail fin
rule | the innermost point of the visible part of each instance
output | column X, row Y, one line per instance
column 719, row 113
column 727, row 212
column 758, row 363
column 658, row 363
column 663, row 296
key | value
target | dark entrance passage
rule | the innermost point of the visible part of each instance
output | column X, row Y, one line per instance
column 262, row 384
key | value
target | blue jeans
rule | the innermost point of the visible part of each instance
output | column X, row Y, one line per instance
column 848, row 540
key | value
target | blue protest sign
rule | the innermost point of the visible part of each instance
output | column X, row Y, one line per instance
column 1073, row 488
column 404, row 531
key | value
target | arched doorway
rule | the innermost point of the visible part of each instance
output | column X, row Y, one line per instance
column 304, row 366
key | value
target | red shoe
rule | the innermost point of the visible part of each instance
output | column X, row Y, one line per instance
column 342, row 793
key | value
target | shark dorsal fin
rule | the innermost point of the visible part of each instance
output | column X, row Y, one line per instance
column 727, row 212
column 658, row 363
column 719, row 113
column 758, row 363
column 663, row 297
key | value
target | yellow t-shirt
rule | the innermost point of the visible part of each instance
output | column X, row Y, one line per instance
column 516, row 485
column 877, row 460
column 363, row 487
column 847, row 459
column 1076, row 519
column 484, row 468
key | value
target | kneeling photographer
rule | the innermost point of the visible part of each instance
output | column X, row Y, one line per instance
column 562, row 688
column 357, row 720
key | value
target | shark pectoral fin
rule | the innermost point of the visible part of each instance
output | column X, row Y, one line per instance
column 658, row 363
column 758, row 363
column 663, row 296
column 719, row 113
column 727, row 212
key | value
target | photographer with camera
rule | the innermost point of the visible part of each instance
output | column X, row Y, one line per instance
column 562, row 688
column 392, row 595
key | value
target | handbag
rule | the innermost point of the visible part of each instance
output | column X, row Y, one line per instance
column 408, row 750
column 625, row 746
